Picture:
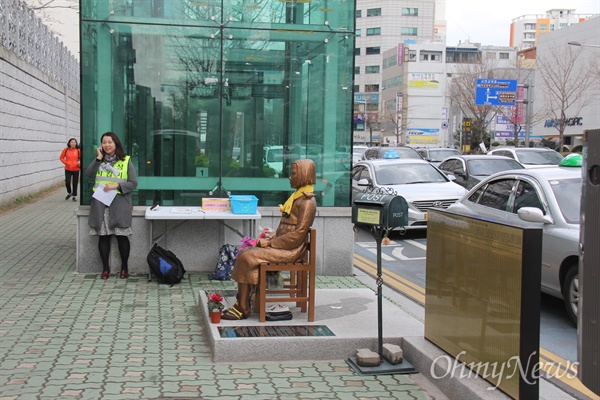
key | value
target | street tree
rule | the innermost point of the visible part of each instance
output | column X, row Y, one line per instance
column 567, row 84
column 390, row 121
column 463, row 91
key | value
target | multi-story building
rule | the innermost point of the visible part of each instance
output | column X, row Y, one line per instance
column 381, row 25
column 525, row 30
column 580, row 43
column 416, row 104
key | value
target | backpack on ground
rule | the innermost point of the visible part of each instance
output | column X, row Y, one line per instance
column 227, row 256
column 165, row 265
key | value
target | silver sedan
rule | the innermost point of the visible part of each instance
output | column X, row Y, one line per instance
column 549, row 198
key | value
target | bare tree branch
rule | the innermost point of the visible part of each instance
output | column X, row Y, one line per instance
column 566, row 89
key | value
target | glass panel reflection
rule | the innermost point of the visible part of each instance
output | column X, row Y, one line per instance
column 201, row 94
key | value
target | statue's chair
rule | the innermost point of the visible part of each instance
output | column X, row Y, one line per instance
column 298, row 287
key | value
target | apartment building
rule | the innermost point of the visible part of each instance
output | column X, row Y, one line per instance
column 381, row 25
column 416, row 104
column 526, row 29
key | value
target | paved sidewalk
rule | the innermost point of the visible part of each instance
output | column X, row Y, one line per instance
column 65, row 335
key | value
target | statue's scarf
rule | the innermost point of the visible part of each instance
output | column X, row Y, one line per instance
column 287, row 207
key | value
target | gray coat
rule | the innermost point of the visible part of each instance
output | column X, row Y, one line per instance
column 121, row 208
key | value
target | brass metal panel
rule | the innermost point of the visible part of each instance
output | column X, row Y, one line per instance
column 482, row 292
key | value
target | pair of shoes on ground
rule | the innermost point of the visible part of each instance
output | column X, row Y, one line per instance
column 122, row 274
column 70, row 195
column 275, row 308
column 234, row 313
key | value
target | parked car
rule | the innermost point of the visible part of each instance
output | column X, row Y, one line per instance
column 530, row 157
column 373, row 153
column 437, row 155
column 548, row 198
column 469, row 170
column 357, row 153
column 420, row 183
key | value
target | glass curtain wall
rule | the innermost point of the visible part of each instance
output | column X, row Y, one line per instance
column 219, row 97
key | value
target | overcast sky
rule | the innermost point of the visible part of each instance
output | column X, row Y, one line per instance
column 488, row 22
column 481, row 21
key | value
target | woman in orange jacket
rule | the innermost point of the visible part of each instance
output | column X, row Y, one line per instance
column 71, row 157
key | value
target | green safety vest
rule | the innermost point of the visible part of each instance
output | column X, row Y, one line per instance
column 106, row 176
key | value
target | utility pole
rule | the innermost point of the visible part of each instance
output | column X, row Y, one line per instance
column 528, row 102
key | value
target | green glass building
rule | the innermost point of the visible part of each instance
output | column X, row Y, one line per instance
column 220, row 96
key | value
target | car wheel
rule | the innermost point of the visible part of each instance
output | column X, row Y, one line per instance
column 571, row 292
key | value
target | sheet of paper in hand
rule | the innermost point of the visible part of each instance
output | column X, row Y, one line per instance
column 104, row 197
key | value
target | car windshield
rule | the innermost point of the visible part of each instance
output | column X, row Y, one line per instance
column 402, row 174
column 440, row 155
column 567, row 193
column 398, row 152
column 549, row 157
column 490, row 167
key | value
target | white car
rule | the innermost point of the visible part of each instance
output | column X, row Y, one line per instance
column 530, row 157
column 422, row 185
column 548, row 198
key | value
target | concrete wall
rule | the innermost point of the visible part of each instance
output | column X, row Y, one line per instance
column 196, row 243
column 37, row 117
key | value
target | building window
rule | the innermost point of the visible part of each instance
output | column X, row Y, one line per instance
column 490, row 55
column 371, row 88
column 412, row 55
column 543, row 27
column 357, row 51
column 529, row 27
column 390, row 61
column 373, row 50
column 504, row 56
column 409, row 31
column 453, row 57
column 358, row 13
column 373, row 31
column 373, row 12
column 372, row 69
column 356, row 70
column 393, row 82
column 432, row 56
column 410, row 12
column 357, row 32
column 356, row 88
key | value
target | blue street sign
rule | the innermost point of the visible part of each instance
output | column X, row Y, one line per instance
column 496, row 92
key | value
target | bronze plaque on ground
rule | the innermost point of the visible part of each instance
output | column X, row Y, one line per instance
column 274, row 331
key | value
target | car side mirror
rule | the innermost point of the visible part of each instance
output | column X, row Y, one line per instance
column 460, row 172
column 363, row 182
column 533, row 214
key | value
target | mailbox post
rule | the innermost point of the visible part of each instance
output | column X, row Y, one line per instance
column 381, row 213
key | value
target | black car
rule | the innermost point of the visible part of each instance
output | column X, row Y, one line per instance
column 469, row 170
column 373, row 153
column 436, row 155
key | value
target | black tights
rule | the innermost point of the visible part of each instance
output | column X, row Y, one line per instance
column 104, row 247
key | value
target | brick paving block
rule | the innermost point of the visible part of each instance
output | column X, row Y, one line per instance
column 92, row 393
column 411, row 393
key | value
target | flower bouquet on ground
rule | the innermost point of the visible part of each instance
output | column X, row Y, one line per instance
column 215, row 302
